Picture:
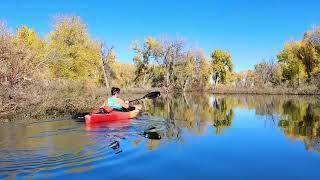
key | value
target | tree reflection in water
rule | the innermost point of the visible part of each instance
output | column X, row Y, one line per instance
column 297, row 116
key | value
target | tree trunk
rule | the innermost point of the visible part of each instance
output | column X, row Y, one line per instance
column 185, row 84
column 217, row 75
column 105, row 76
column 144, row 78
column 167, row 79
column 216, row 83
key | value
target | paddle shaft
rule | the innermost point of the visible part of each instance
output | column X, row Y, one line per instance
column 136, row 100
column 151, row 95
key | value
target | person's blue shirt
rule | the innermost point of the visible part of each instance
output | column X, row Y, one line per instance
column 112, row 103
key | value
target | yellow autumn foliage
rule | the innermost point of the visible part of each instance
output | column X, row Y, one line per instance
column 72, row 53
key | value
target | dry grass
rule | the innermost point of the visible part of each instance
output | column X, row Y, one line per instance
column 55, row 97
column 59, row 97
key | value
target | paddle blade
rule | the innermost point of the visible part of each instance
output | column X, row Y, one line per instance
column 152, row 95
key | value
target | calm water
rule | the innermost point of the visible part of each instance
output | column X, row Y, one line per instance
column 239, row 137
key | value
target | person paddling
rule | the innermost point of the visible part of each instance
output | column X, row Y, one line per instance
column 115, row 102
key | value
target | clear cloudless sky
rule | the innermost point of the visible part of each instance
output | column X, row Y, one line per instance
column 250, row 30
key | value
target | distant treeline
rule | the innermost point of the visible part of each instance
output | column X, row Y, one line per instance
column 68, row 54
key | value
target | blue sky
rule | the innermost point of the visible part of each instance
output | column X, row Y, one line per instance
column 249, row 30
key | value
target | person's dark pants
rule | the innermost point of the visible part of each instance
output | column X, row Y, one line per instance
column 130, row 108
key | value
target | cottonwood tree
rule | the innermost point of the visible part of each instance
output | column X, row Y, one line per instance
column 171, row 54
column 311, row 51
column 244, row 79
column 167, row 63
column 222, row 67
column 123, row 74
column 292, row 68
column 266, row 73
column 300, row 60
column 189, row 71
column 108, row 57
column 145, row 58
column 73, row 54
column 28, row 38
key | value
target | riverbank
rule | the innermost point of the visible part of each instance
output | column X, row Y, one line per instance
column 62, row 97
column 54, row 98
column 307, row 90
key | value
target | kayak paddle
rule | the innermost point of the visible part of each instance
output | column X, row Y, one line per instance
column 151, row 95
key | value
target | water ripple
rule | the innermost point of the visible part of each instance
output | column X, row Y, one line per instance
column 68, row 148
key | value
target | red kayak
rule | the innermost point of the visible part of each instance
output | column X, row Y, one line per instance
column 110, row 116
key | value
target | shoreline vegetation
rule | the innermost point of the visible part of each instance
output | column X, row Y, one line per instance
column 69, row 71
column 268, row 91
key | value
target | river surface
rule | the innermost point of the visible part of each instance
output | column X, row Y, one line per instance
column 183, row 137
